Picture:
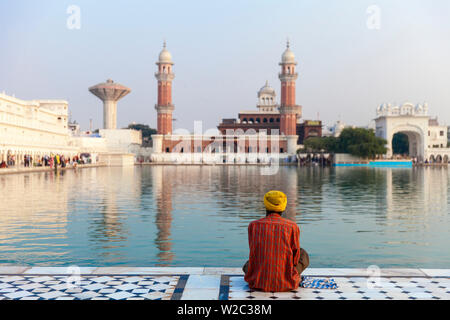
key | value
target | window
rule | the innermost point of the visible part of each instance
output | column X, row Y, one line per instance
column 442, row 133
column 167, row 150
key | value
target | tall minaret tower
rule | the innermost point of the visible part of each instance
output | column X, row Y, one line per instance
column 165, row 77
column 288, row 108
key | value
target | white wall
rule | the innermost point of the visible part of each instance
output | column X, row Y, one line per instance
column 121, row 140
column 36, row 128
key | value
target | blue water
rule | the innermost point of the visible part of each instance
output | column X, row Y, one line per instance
column 198, row 216
column 379, row 164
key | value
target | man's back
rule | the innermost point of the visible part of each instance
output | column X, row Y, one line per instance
column 274, row 253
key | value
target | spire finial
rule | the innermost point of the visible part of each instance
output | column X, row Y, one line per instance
column 288, row 44
column 267, row 83
column 164, row 44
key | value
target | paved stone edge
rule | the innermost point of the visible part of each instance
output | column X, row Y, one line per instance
column 332, row 272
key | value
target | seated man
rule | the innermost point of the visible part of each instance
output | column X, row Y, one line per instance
column 276, row 259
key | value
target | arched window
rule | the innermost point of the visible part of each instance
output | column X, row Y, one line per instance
column 252, row 120
column 167, row 150
column 271, row 120
column 278, row 119
column 265, row 120
column 258, row 120
column 244, row 120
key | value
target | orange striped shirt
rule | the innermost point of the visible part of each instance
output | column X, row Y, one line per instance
column 274, row 252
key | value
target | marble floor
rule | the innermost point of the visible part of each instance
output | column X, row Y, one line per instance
column 41, row 283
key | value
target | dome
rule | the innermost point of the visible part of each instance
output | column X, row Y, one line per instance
column 288, row 56
column 266, row 90
column 165, row 56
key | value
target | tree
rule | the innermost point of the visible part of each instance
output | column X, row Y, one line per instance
column 356, row 141
column 147, row 132
column 315, row 144
column 361, row 142
column 318, row 144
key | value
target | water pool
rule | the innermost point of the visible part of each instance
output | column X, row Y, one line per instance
column 198, row 215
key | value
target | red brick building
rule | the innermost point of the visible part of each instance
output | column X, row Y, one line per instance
column 280, row 121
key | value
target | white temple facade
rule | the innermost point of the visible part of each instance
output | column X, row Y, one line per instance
column 39, row 128
column 427, row 139
column 35, row 128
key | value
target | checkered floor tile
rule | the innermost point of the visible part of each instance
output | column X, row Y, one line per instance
column 353, row 288
column 29, row 287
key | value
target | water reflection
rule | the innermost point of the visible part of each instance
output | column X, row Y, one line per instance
column 192, row 215
column 23, row 227
column 114, row 195
column 163, row 179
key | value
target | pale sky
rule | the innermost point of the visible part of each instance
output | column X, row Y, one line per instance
column 224, row 51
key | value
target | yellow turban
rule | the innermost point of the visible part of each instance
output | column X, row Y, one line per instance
column 275, row 201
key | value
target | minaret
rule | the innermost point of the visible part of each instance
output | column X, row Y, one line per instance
column 165, row 107
column 109, row 92
column 288, row 108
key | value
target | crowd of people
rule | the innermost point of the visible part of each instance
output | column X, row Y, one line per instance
column 52, row 161
column 321, row 160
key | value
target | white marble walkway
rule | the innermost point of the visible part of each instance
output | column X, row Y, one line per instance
column 118, row 283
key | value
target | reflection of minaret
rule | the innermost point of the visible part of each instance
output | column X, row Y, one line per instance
column 163, row 193
column 290, row 185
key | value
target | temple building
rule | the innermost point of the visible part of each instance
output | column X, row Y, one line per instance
column 33, row 128
column 267, row 118
column 272, row 129
column 40, row 128
column 427, row 139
